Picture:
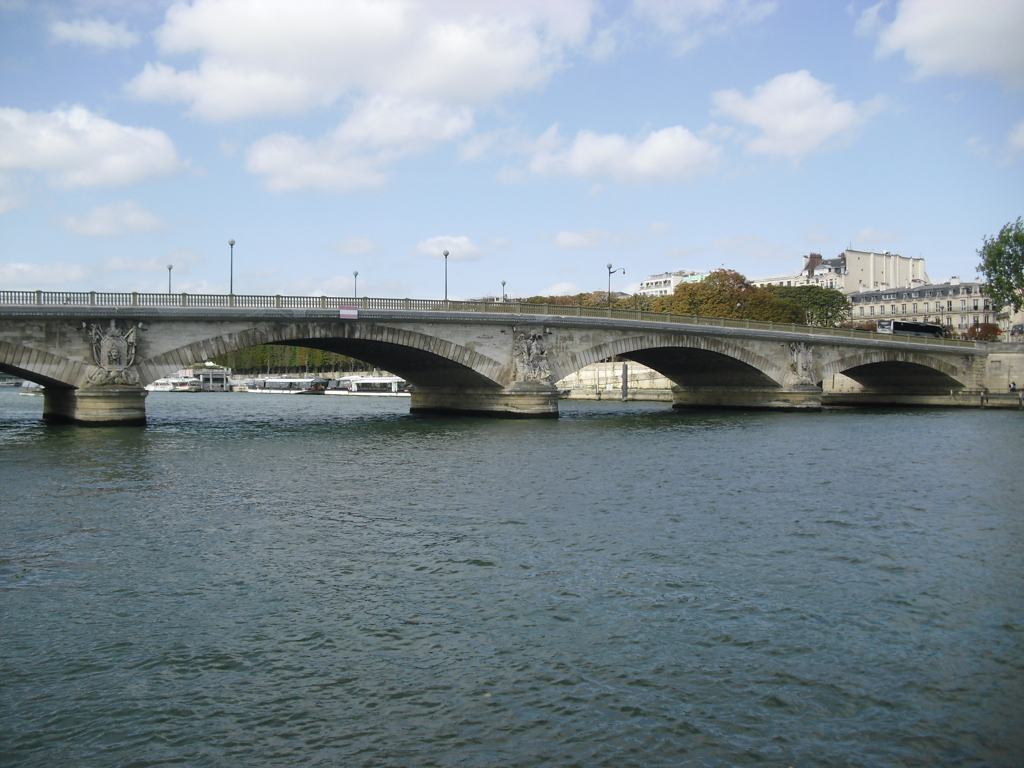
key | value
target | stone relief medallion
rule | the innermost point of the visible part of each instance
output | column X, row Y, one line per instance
column 801, row 372
column 113, row 350
column 530, row 357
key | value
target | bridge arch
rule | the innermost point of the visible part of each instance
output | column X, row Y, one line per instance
column 690, row 361
column 421, row 359
column 897, row 370
column 40, row 366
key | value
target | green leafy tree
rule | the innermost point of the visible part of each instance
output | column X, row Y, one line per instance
column 1002, row 264
column 823, row 307
column 723, row 293
column 768, row 306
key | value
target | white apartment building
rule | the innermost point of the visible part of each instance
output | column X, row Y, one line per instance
column 665, row 283
column 854, row 270
column 957, row 304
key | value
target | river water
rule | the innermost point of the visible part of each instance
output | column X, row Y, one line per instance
column 329, row 581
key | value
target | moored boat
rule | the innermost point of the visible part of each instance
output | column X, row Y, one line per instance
column 380, row 386
column 175, row 384
column 284, row 385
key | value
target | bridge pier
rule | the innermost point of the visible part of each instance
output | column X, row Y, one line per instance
column 962, row 398
column 531, row 400
column 748, row 398
column 106, row 406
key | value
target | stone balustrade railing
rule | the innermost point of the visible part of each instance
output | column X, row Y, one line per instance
column 240, row 301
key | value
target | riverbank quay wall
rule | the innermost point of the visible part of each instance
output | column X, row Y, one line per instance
column 94, row 358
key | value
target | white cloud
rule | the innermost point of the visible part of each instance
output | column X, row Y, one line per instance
column 560, row 289
column 689, row 23
column 16, row 275
column 290, row 163
column 261, row 57
column 665, row 155
column 11, row 196
column 76, row 148
column 354, row 155
column 869, row 22
column 815, row 237
column 591, row 238
column 1015, row 139
column 180, row 258
column 953, row 37
column 115, row 219
column 681, row 25
column 98, row 32
column 872, row 237
column 796, row 113
column 976, row 145
column 355, row 246
column 459, row 248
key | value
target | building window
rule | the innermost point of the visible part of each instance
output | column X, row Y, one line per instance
column 915, row 309
column 986, row 319
column 872, row 311
column 893, row 309
column 926, row 306
column 975, row 319
column 975, row 307
column 963, row 305
column 903, row 309
column 949, row 306
column 862, row 311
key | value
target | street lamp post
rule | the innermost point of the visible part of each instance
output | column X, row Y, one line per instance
column 355, row 284
column 231, row 285
column 446, row 275
column 502, row 291
column 610, row 272
column 169, row 268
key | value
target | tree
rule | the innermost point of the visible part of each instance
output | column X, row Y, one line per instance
column 1002, row 264
column 824, row 307
column 723, row 293
column 982, row 332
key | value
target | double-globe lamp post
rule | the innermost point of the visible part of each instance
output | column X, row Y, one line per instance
column 610, row 271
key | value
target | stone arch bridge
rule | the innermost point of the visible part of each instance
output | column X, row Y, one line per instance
column 94, row 355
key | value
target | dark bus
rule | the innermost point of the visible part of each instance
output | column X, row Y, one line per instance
column 910, row 328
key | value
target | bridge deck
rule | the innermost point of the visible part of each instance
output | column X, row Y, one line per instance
column 277, row 307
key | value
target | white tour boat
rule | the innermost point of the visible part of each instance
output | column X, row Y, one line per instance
column 379, row 386
column 175, row 384
column 284, row 385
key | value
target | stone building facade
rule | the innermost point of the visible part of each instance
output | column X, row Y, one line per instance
column 855, row 270
column 956, row 304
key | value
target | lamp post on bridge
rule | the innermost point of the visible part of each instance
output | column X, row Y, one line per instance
column 502, row 291
column 610, row 272
column 231, row 284
column 355, row 284
column 446, row 275
column 169, row 268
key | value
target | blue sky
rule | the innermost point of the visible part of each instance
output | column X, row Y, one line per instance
column 536, row 141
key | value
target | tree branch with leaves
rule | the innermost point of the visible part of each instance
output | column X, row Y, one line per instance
column 1002, row 264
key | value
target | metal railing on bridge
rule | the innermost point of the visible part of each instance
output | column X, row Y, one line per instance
column 240, row 301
